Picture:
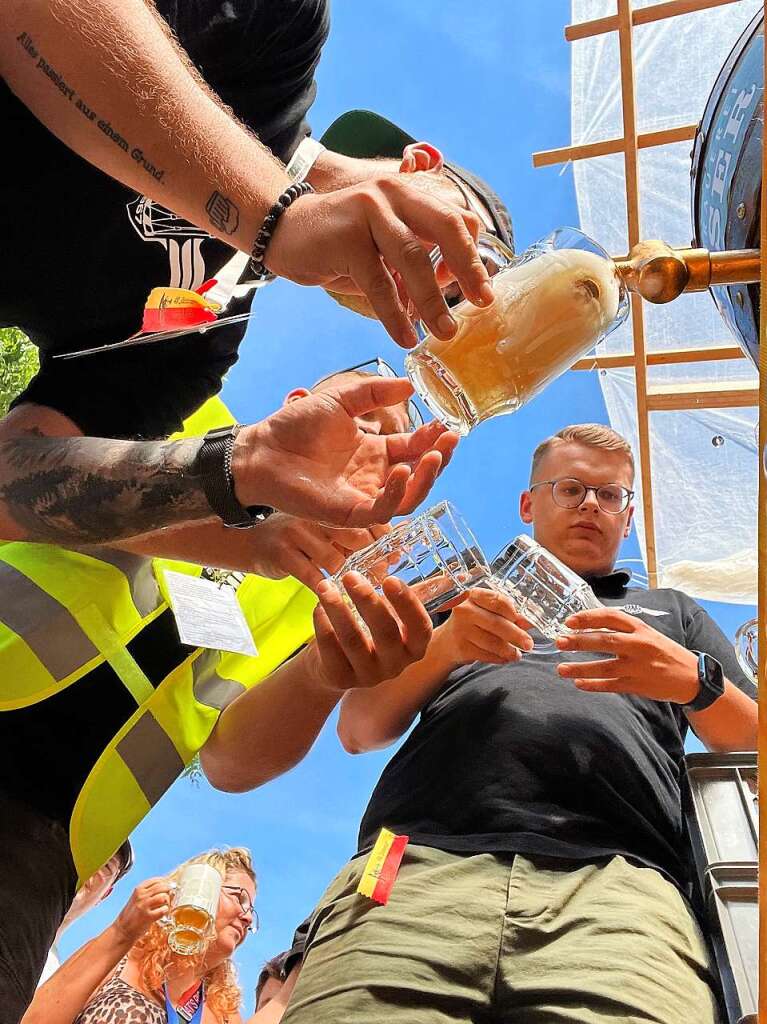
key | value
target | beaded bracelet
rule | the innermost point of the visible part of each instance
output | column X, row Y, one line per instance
column 293, row 192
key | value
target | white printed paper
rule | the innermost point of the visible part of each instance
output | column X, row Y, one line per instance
column 209, row 615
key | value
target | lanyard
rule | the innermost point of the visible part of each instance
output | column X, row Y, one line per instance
column 173, row 1017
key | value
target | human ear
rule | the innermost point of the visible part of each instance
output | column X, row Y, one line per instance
column 295, row 394
column 421, row 156
column 526, row 506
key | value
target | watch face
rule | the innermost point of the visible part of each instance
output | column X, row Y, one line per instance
column 712, row 671
column 711, row 678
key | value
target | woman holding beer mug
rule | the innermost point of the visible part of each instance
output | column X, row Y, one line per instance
column 135, row 970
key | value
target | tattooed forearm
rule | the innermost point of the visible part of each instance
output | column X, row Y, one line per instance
column 42, row 65
column 89, row 490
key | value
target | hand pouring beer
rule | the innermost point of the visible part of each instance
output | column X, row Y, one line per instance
column 552, row 305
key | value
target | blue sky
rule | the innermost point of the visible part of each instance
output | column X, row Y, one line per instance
column 488, row 84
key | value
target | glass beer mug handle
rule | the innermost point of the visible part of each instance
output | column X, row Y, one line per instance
column 495, row 255
column 166, row 920
column 490, row 248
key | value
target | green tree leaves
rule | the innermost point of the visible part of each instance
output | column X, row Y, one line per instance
column 18, row 364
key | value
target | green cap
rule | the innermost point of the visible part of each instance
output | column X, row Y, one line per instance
column 366, row 135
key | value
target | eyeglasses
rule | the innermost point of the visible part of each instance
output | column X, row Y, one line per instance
column 242, row 896
column 568, row 492
column 382, row 369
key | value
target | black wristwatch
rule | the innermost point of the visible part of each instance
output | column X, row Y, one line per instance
column 214, row 467
column 711, row 683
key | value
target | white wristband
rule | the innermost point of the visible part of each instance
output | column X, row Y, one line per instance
column 304, row 157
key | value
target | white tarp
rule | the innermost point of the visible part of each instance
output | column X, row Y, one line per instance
column 704, row 463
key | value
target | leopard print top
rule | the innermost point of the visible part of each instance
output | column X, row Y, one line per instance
column 117, row 1002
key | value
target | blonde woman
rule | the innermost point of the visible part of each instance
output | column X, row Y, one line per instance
column 130, row 973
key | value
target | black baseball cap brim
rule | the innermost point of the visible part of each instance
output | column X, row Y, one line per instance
column 366, row 135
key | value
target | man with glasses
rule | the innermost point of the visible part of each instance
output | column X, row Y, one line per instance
column 545, row 878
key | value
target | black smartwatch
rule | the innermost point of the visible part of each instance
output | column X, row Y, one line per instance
column 711, row 683
column 214, row 467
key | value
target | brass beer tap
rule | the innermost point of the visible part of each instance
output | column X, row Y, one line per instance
column 660, row 274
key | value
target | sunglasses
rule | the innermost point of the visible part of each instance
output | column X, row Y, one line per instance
column 381, row 368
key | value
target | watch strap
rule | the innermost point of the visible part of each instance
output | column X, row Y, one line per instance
column 214, row 467
column 711, row 683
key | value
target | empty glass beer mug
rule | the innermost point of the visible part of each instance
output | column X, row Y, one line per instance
column 435, row 552
column 747, row 649
column 543, row 589
column 552, row 304
column 194, row 909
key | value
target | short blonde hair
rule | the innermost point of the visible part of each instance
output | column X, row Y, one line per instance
column 340, row 373
column 596, row 435
column 222, row 991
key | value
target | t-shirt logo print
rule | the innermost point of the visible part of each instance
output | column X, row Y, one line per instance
column 637, row 609
column 181, row 240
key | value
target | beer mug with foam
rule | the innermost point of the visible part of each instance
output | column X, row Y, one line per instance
column 552, row 305
column 193, row 915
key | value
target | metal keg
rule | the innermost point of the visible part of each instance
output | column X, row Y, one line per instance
column 727, row 176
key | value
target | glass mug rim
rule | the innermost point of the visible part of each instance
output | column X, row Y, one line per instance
column 547, row 244
column 462, row 530
column 527, row 545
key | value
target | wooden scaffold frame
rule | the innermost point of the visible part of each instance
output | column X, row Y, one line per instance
column 653, row 399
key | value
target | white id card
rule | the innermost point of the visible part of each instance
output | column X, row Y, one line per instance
column 208, row 615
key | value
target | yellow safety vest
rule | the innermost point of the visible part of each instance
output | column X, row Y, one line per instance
column 65, row 614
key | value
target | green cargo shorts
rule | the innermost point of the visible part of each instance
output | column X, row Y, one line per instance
column 487, row 938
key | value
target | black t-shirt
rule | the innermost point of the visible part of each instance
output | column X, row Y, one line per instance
column 82, row 252
column 516, row 759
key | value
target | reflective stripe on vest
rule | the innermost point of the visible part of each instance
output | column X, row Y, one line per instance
column 65, row 613
column 208, row 686
column 148, row 751
column 36, row 617
column 148, row 754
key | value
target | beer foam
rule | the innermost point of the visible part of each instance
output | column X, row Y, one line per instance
column 568, row 292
